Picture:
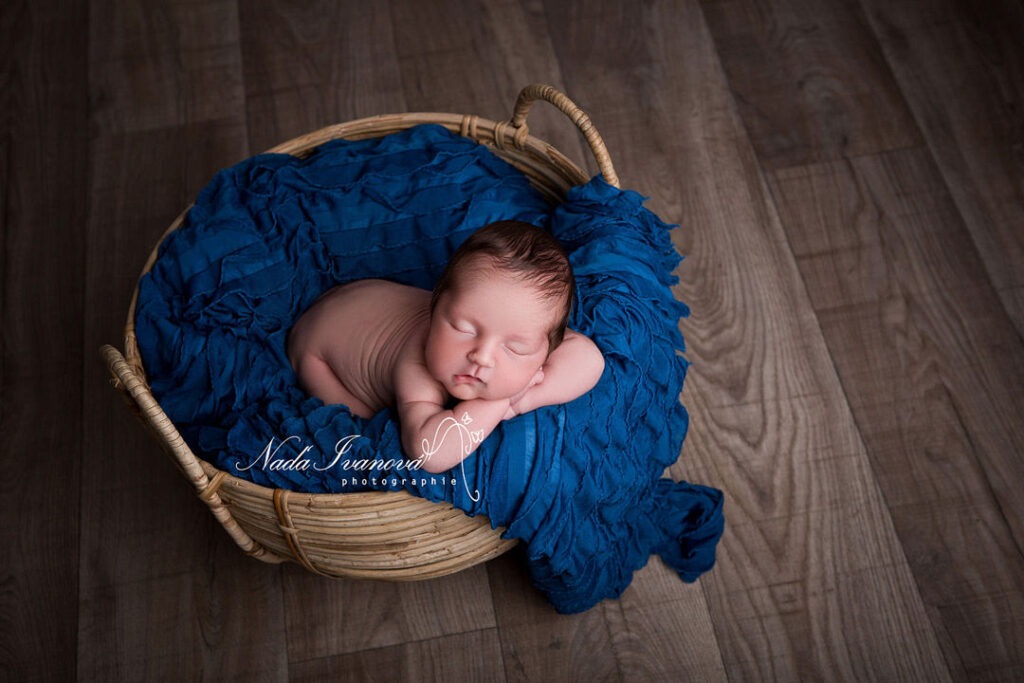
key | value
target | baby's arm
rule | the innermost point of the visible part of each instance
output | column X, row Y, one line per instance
column 437, row 438
column 570, row 371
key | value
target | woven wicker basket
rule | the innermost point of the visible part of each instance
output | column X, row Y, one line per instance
column 381, row 534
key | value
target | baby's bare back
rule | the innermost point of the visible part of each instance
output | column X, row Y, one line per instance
column 346, row 347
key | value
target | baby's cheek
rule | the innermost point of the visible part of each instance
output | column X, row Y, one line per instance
column 433, row 354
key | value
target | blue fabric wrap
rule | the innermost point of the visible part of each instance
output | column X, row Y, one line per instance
column 579, row 483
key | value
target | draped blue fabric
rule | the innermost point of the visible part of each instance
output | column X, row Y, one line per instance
column 579, row 483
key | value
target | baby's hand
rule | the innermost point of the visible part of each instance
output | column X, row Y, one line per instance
column 538, row 377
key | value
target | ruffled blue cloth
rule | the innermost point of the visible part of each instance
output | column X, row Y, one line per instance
column 579, row 483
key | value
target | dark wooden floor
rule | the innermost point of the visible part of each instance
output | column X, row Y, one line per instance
column 850, row 180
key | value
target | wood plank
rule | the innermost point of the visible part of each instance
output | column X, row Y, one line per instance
column 811, row 82
column 42, row 308
column 934, row 372
column 539, row 644
column 473, row 656
column 787, row 599
column 138, row 186
column 164, row 590
column 316, row 64
column 929, row 367
column 807, row 531
column 464, row 57
column 331, row 617
column 163, row 63
column 657, row 630
column 223, row 621
column 960, row 67
column 165, row 593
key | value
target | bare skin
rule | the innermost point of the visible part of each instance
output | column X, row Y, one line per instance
column 373, row 344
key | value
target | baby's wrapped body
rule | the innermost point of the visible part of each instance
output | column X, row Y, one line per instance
column 491, row 341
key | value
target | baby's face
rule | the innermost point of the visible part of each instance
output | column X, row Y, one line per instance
column 488, row 335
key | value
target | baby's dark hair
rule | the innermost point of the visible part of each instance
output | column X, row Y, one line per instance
column 526, row 251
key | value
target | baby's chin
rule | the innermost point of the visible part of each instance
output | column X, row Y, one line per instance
column 462, row 392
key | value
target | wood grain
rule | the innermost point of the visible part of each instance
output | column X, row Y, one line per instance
column 793, row 573
column 309, row 65
column 916, row 332
column 912, row 323
column 658, row 630
column 331, row 617
column 155, row 64
column 474, row 656
column 933, row 374
column 473, row 58
column 42, row 310
column 810, row 81
column 960, row 68
column 158, row 575
column 167, row 117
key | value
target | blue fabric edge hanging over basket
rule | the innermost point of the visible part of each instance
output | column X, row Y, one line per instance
column 580, row 484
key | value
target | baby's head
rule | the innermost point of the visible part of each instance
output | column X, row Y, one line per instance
column 522, row 252
column 499, row 309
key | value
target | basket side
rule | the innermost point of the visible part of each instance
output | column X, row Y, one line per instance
column 389, row 535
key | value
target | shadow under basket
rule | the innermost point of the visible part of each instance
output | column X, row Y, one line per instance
column 388, row 535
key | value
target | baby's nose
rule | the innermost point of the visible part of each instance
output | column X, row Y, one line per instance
column 482, row 355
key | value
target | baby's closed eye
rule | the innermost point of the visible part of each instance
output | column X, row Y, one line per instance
column 464, row 328
column 520, row 349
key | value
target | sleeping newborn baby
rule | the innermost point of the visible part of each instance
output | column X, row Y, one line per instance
column 488, row 344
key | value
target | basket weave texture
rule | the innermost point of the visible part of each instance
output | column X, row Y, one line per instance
column 389, row 535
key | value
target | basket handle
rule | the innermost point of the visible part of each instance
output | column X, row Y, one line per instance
column 146, row 407
column 537, row 91
column 143, row 403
